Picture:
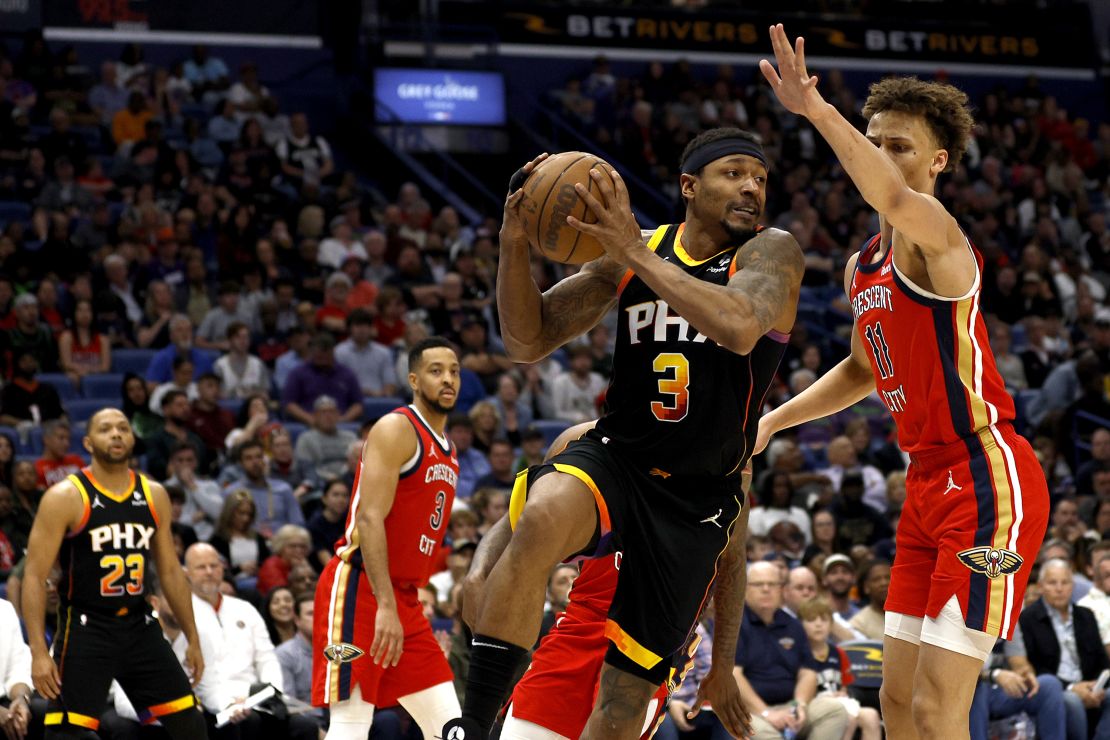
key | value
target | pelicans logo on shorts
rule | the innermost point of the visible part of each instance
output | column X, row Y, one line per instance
column 342, row 652
column 991, row 562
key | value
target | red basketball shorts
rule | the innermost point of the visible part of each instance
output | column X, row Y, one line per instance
column 973, row 522
column 343, row 632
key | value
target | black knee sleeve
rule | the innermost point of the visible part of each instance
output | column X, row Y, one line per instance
column 188, row 724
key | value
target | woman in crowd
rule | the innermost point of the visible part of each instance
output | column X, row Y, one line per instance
column 154, row 331
column 136, row 406
column 824, row 537
column 82, row 350
column 254, row 421
column 236, row 539
column 776, row 504
column 277, row 613
column 290, row 545
column 487, row 425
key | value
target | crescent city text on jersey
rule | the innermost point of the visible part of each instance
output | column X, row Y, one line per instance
column 871, row 298
column 441, row 472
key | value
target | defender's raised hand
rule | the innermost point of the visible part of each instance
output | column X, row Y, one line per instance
column 795, row 88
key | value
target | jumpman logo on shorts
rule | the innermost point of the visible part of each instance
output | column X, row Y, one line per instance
column 952, row 485
column 713, row 519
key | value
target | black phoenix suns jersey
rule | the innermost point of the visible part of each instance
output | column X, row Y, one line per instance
column 104, row 560
column 677, row 401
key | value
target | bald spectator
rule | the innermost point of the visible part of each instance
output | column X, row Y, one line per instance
column 244, row 654
column 371, row 362
column 800, row 587
column 322, row 375
column 777, row 673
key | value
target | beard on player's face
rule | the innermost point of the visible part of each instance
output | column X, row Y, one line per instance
column 438, row 403
column 106, row 456
column 737, row 234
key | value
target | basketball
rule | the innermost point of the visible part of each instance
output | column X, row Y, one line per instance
column 549, row 197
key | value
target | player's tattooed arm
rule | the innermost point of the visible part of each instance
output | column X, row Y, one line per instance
column 533, row 325
column 767, row 283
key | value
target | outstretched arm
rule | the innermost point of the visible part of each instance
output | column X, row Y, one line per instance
column 918, row 216
column 540, row 323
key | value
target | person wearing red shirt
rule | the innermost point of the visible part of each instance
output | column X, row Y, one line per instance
column 333, row 314
column 291, row 545
column 57, row 462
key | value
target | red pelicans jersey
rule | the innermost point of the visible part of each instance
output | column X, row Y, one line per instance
column 421, row 506
column 932, row 362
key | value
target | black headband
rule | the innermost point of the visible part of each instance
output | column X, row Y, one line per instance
column 706, row 153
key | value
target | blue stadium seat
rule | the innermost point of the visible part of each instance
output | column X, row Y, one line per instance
column 102, row 385
column 14, row 210
column 375, row 408
column 132, row 360
column 551, row 428
column 294, row 428
column 33, row 445
column 61, row 382
column 77, row 437
column 231, row 404
column 81, row 409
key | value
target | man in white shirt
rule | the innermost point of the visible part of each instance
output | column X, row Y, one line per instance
column 372, row 363
column 245, row 655
column 241, row 373
column 15, row 676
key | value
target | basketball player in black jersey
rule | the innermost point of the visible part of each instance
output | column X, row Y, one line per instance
column 105, row 523
column 703, row 313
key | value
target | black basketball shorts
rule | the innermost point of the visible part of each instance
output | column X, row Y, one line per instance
column 670, row 531
column 91, row 649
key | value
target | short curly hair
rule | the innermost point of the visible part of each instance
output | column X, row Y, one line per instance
column 944, row 108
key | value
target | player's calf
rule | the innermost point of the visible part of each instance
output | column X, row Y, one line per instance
column 622, row 701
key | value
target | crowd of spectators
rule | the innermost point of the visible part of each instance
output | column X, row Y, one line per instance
column 179, row 215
